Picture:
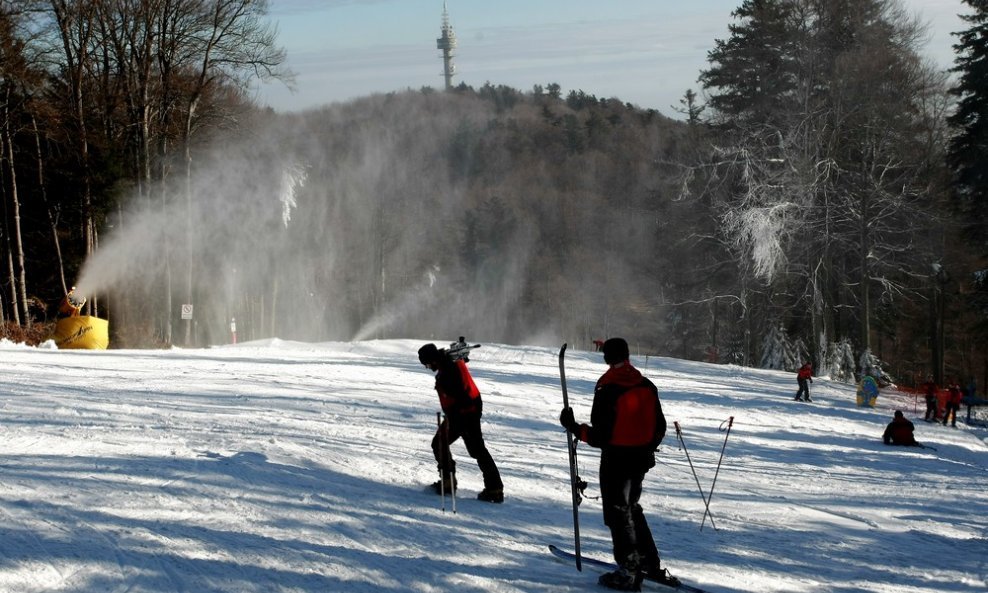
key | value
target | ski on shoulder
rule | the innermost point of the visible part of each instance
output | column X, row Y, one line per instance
column 604, row 566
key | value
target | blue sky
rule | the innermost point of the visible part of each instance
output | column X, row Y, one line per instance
column 646, row 52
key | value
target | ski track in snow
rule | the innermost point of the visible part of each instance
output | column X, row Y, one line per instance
column 284, row 467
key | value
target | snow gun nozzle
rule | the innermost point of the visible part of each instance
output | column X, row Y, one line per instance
column 71, row 304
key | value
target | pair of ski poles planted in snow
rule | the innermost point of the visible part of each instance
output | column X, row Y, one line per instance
column 706, row 498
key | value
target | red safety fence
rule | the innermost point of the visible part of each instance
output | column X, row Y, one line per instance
column 918, row 396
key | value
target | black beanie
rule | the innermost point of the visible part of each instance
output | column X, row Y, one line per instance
column 428, row 353
column 898, row 413
column 615, row 351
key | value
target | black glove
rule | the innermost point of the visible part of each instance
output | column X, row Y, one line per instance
column 567, row 420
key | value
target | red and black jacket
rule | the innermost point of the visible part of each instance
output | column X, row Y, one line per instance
column 900, row 432
column 458, row 394
column 627, row 415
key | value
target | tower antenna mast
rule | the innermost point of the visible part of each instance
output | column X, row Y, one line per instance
column 447, row 43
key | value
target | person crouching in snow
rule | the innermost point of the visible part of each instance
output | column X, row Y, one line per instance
column 900, row 432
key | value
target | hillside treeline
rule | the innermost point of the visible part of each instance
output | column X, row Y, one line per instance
column 803, row 205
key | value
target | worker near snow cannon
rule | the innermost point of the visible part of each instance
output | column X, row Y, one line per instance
column 900, row 431
column 627, row 425
column 460, row 401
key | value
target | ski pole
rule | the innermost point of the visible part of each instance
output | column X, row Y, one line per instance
column 730, row 423
column 442, row 459
column 452, row 468
column 706, row 505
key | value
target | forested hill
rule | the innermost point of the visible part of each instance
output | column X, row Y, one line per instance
column 493, row 213
column 502, row 215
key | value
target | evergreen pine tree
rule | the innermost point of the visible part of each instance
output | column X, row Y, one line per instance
column 752, row 71
column 968, row 152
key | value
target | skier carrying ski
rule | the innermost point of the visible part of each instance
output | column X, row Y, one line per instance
column 900, row 431
column 627, row 424
column 460, row 400
column 804, row 376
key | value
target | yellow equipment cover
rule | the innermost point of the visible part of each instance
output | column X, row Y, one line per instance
column 82, row 332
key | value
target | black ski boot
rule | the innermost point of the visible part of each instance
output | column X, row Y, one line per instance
column 661, row 576
column 622, row 579
column 491, row 495
column 447, row 485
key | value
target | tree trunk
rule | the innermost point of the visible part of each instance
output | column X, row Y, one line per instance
column 14, row 308
column 42, row 189
column 15, row 202
column 865, row 300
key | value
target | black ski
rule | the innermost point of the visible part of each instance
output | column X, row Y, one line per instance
column 575, row 481
column 604, row 566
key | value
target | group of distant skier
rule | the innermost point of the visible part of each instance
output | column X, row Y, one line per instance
column 952, row 403
column 900, row 430
column 626, row 424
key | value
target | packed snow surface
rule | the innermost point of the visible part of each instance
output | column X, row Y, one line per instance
column 285, row 467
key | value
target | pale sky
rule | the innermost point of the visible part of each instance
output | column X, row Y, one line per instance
column 646, row 52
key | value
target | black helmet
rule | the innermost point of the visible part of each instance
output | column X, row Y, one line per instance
column 615, row 351
column 428, row 353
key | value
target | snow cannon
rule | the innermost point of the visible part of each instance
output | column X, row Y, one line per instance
column 79, row 332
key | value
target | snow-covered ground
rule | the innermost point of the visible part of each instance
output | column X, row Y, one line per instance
column 285, row 467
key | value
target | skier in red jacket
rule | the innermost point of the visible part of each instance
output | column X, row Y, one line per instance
column 930, row 390
column 900, row 431
column 954, row 397
column 460, row 400
column 627, row 424
column 804, row 376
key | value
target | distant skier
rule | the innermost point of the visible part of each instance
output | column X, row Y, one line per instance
column 627, row 425
column 900, row 432
column 804, row 376
column 460, row 400
column 932, row 405
column 954, row 397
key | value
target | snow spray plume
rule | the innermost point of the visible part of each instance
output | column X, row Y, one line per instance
column 237, row 215
column 394, row 313
column 384, row 196
column 340, row 248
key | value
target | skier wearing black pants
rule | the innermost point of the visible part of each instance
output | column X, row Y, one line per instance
column 460, row 400
column 627, row 424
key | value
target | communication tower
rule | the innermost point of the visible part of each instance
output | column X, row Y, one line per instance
column 447, row 43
